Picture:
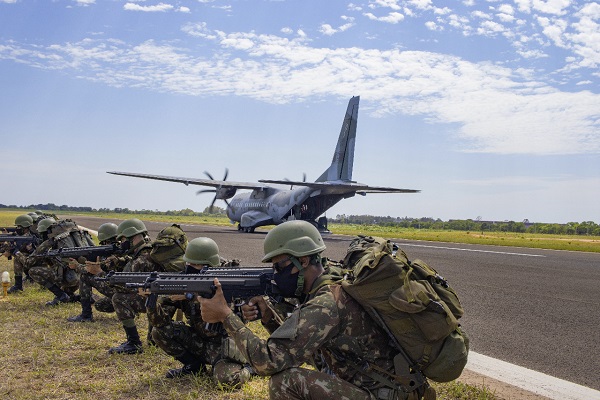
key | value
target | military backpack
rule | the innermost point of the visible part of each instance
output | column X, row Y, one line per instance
column 412, row 303
column 169, row 247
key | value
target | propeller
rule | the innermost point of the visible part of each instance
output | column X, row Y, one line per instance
column 216, row 190
column 303, row 180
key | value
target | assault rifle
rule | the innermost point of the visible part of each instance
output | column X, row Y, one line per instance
column 124, row 278
column 236, row 283
column 14, row 242
column 90, row 253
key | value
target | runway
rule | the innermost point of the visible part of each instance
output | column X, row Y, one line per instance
column 538, row 309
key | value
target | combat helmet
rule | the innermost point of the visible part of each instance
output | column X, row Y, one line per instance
column 107, row 231
column 44, row 224
column 130, row 228
column 297, row 238
column 24, row 221
column 202, row 251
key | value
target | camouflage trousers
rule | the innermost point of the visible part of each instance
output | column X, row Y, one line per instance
column 301, row 384
column 128, row 305
column 87, row 282
column 178, row 339
column 19, row 265
column 49, row 276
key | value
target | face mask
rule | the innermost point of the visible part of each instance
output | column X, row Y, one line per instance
column 20, row 230
column 286, row 281
column 125, row 246
column 190, row 269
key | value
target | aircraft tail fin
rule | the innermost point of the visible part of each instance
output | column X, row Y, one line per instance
column 343, row 157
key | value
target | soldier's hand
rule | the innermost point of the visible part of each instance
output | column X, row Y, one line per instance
column 216, row 308
column 177, row 297
column 93, row 268
column 111, row 261
column 73, row 263
column 256, row 304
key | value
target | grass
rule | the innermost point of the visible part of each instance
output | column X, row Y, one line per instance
column 47, row 357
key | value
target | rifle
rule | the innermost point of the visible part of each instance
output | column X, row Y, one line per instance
column 123, row 278
column 236, row 283
column 16, row 241
column 90, row 253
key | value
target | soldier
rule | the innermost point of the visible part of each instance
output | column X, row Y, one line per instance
column 357, row 354
column 127, row 302
column 193, row 344
column 88, row 271
column 25, row 227
column 50, row 273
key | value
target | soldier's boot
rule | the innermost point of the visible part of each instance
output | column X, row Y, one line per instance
column 59, row 296
column 86, row 312
column 18, row 286
column 191, row 365
column 133, row 345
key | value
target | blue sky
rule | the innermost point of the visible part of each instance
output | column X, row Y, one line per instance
column 491, row 108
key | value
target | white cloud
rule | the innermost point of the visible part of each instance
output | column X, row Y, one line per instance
column 392, row 18
column 185, row 10
column 495, row 109
column 160, row 7
column 85, row 2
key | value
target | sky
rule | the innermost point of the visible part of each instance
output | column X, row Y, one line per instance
column 490, row 108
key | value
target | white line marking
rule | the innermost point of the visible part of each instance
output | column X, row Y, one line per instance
column 474, row 250
column 530, row 380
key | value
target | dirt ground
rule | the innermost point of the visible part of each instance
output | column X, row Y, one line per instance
column 502, row 390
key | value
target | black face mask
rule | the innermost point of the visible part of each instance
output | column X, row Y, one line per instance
column 286, row 281
column 20, row 230
column 191, row 270
column 125, row 246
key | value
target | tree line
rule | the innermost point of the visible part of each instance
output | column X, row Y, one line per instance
column 571, row 228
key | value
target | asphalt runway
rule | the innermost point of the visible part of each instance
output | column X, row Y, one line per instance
column 535, row 308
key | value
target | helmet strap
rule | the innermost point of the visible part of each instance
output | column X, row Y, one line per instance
column 300, row 284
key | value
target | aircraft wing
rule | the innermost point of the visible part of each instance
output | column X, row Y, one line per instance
column 341, row 186
column 194, row 181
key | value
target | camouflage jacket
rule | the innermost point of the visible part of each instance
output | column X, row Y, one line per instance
column 331, row 323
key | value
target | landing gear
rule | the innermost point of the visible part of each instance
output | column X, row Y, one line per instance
column 322, row 225
column 248, row 229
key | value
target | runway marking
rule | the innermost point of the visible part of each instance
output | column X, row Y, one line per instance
column 530, row 380
column 474, row 250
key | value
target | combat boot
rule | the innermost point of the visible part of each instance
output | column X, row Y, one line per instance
column 86, row 313
column 191, row 365
column 18, row 286
column 59, row 296
column 133, row 345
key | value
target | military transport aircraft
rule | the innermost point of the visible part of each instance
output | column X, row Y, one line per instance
column 271, row 205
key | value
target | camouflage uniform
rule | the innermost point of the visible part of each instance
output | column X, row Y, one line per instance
column 87, row 280
column 51, row 273
column 127, row 302
column 332, row 324
column 194, row 341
